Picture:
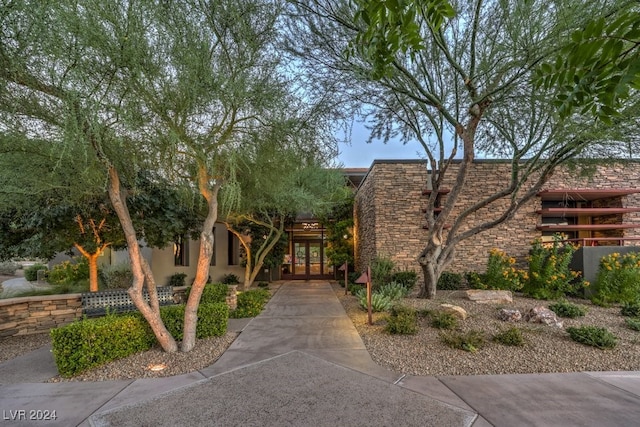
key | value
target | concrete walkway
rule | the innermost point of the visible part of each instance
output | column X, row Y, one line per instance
column 301, row 362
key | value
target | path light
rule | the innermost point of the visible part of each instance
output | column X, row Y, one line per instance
column 157, row 367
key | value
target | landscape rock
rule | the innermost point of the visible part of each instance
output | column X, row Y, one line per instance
column 509, row 315
column 489, row 296
column 455, row 310
column 542, row 315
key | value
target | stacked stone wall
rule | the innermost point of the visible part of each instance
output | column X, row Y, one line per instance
column 30, row 315
column 389, row 213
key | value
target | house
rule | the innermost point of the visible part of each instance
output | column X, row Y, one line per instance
column 595, row 210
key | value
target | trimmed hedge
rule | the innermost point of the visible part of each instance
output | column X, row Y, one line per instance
column 92, row 342
column 212, row 293
column 250, row 303
column 212, row 320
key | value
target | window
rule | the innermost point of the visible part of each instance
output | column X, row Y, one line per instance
column 213, row 250
column 181, row 251
column 234, row 249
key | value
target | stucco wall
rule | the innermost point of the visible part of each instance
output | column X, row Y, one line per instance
column 389, row 216
column 163, row 265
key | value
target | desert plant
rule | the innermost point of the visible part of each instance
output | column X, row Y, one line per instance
column 566, row 309
column 631, row 309
column 618, row 279
column 633, row 323
column 512, row 336
column 379, row 302
column 442, row 320
column 31, row 273
column 406, row 278
column 381, row 271
column 230, row 279
column 117, row 276
column 8, row 268
column 355, row 288
column 402, row 320
column 549, row 274
column 177, row 279
column 394, row 291
column 593, row 336
column 449, row 281
column 469, row 341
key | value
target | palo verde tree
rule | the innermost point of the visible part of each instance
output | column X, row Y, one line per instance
column 173, row 87
column 461, row 79
column 281, row 182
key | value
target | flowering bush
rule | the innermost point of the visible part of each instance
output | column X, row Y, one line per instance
column 549, row 273
column 501, row 272
column 69, row 272
column 618, row 279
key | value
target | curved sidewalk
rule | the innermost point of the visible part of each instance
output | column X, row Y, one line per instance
column 301, row 362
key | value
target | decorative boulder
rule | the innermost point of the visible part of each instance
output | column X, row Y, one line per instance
column 489, row 296
column 508, row 315
column 458, row 312
column 543, row 315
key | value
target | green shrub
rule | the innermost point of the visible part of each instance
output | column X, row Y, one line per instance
column 177, row 279
column 406, row 278
column 211, row 293
column 593, row 336
column 379, row 302
column 567, row 309
column 250, row 303
column 8, row 268
column 474, row 280
column 618, row 279
column 381, row 271
column 501, row 273
column 230, row 279
column 394, row 291
column 633, row 323
column 549, row 275
column 442, row 320
column 31, row 273
column 631, row 309
column 117, row 276
column 264, row 284
column 212, row 320
column 512, row 336
column 402, row 320
column 449, row 281
column 470, row 341
column 92, row 342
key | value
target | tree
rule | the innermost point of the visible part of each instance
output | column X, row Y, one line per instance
column 279, row 184
column 457, row 77
column 175, row 87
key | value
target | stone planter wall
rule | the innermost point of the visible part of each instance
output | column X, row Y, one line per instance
column 39, row 314
column 30, row 315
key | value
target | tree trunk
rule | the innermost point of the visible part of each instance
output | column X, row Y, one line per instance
column 166, row 341
column 204, row 258
column 92, row 259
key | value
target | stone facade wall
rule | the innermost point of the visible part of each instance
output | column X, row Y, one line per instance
column 29, row 315
column 389, row 217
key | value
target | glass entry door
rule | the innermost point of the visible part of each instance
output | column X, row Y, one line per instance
column 308, row 256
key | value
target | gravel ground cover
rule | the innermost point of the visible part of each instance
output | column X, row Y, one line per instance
column 547, row 348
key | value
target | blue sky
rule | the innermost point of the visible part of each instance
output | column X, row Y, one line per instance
column 359, row 154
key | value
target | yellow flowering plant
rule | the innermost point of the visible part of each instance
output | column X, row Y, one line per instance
column 502, row 273
column 549, row 274
column 618, row 279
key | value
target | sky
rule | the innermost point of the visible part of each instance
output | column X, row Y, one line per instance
column 359, row 154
